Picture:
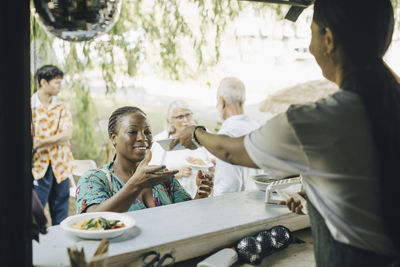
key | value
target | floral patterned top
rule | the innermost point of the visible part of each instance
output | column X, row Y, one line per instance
column 48, row 122
column 93, row 188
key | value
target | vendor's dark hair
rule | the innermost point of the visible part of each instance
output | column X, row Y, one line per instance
column 363, row 30
column 48, row 72
column 118, row 114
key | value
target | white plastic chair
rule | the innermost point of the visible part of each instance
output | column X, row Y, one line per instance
column 81, row 166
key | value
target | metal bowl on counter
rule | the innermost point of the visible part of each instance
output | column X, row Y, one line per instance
column 263, row 180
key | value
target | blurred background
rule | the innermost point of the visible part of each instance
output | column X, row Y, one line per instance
column 160, row 51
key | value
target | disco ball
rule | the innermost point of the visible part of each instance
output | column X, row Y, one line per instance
column 282, row 235
column 249, row 250
column 77, row 20
column 268, row 243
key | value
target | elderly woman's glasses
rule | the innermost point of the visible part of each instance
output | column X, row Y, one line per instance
column 181, row 117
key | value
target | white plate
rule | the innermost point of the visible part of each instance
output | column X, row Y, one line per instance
column 67, row 223
column 200, row 167
column 164, row 143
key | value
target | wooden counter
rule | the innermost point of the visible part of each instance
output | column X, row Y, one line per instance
column 189, row 229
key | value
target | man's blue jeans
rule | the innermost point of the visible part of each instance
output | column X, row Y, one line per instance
column 48, row 190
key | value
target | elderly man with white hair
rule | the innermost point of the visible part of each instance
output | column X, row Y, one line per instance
column 228, row 178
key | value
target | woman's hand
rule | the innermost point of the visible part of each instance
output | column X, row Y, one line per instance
column 294, row 205
column 185, row 171
column 147, row 176
column 205, row 184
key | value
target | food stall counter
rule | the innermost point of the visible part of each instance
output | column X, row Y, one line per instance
column 189, row 229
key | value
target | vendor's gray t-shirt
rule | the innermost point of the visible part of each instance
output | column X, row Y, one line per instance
column 329, row 142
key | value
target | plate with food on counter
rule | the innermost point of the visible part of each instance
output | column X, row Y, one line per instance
column 97, row 225
column 198, row 164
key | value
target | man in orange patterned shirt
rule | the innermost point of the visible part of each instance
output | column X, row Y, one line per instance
column 52, row 130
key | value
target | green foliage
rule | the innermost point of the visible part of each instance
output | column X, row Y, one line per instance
column 86, row 129
column 177, row 39
column 164, row 37
column 395, row 4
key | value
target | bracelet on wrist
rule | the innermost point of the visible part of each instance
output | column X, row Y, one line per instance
column 194, row 139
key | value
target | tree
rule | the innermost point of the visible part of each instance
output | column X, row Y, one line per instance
column 177, row 38
column 144, row 29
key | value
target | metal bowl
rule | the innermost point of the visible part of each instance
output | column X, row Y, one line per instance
column 263, row 180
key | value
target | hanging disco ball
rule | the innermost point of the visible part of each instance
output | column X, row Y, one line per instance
column 77, row 20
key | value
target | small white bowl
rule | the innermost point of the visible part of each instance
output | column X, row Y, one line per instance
column 200, row 167
column 67, row 223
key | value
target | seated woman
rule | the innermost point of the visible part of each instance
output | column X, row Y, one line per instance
column 179, row 117
column 128, row 183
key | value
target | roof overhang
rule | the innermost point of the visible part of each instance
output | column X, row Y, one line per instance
column 297, row 6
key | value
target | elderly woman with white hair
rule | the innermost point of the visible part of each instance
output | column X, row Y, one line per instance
column 179, row 117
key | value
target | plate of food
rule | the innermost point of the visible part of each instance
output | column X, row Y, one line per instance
column 198, row 164
column 97, row 225
column 164, row 143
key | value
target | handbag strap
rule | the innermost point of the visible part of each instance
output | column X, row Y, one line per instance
column 110, row 184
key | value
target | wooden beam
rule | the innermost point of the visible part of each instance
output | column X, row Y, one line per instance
column 282, row 2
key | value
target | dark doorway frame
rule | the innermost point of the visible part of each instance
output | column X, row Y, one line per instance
column 15, row 139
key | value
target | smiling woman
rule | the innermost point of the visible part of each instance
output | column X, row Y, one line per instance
column 128, row 182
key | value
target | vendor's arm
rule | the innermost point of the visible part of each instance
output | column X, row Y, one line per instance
column 274, row 146
column 226, row 148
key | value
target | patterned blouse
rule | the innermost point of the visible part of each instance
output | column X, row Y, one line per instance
column 94, row 188
column 48, row 122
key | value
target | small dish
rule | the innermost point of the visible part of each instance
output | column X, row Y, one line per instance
column 263, row 180
column 67, row 223
column 200, row 167
column 192, row 162
column 164, row 143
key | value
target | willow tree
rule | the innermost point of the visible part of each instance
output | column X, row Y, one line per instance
column 160, row 27
column 178, row 38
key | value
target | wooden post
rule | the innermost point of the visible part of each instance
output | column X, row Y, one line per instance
column 15, row 141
